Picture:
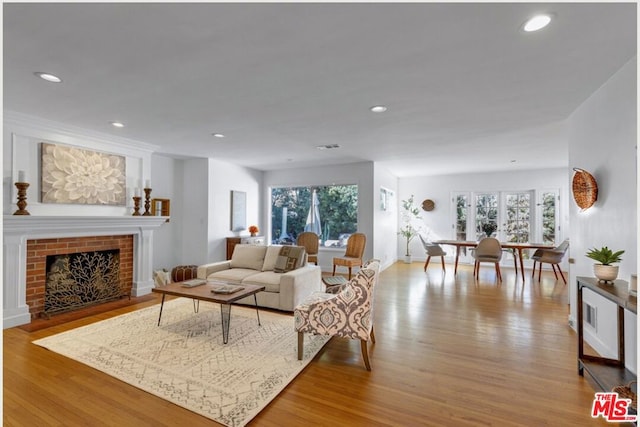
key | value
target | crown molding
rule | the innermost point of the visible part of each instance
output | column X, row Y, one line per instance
column 26, row 124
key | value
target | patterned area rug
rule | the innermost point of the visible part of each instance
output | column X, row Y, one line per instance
column 184, row 361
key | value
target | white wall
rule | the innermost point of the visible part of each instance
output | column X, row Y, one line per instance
column 603, row 141
column 438, row 223
column 195, row 215
column 166, row 176
column 224, row 178
column 353, row 173
column 201, row 208
column 22, row 136
column 385, row 221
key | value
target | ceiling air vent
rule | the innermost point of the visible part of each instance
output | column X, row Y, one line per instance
column 327, row 147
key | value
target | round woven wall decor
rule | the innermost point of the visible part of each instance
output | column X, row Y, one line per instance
column 428, row 205
column 585, row 188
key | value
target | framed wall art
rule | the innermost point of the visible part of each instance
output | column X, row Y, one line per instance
column 386, row 199
column 238, row 210
column 71, row 175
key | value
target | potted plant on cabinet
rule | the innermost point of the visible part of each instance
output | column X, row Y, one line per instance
column 603, row 270
column 410, row 213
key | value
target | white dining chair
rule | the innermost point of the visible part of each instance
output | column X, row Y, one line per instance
column 432, row 249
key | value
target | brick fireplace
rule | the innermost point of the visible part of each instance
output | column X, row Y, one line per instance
column 39, row 249
column 29, row 239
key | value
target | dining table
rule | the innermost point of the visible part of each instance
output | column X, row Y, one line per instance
column 516, row 249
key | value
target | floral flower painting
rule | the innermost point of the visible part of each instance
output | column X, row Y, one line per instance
column 76, row 176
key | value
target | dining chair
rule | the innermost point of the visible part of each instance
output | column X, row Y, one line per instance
column 346, row 314
column 353, row 255
column 432, row 249
column 309, row 240
column 488, row 250
column 550, row 256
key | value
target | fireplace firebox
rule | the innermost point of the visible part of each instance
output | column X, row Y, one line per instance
column 81, row 279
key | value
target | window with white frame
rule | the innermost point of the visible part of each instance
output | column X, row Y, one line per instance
column 519, row 216
column 330, row 211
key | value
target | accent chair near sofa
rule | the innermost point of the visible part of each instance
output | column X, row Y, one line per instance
column 353, row 255
column 346, row 314
column 283, row 270
column 309, row 240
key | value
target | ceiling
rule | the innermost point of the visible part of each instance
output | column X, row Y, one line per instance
column 466, row 89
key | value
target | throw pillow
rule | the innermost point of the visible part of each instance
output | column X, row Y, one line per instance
column 248, row 256
column 271, row 257
column 290, row 258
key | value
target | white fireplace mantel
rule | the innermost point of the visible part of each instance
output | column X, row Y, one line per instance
column 18, row 229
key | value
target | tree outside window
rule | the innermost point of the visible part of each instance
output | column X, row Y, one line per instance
column 337, row 207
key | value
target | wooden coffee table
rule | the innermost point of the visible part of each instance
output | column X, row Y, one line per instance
column 203, row 293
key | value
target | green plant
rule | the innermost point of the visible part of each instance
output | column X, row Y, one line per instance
column 604, row 255
column 409, row 215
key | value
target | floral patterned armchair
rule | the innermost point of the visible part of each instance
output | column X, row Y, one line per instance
column 347, row 313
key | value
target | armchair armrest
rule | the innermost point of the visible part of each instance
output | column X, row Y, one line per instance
column 205, row 270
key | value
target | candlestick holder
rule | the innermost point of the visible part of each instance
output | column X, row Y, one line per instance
column 136, row 205
column 147, row 202
column 22, row 198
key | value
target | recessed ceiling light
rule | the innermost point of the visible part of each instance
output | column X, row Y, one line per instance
column 536, row 23
column 378, row 108
column 48, row 77
column 218, row 135
column 117, row 124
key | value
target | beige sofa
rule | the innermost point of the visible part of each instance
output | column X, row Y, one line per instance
column 255, row 265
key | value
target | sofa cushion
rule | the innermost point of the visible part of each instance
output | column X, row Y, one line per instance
column 290, row 258
column 269, row 279
column 270, row 258
column 248, row 256
column 233, row 275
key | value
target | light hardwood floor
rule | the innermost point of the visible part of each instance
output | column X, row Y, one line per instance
column 448, row 353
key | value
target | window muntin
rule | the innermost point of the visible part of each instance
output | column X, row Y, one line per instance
column 486, row 211
column 518, row 217
column 549, row 215
column 462, row 213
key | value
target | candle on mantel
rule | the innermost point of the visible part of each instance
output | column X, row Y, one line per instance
column 136, row 192
column 22, row 176
column 147, row 184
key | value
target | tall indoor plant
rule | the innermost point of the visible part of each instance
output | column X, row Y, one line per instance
column 603, row 270
column 409, row 215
